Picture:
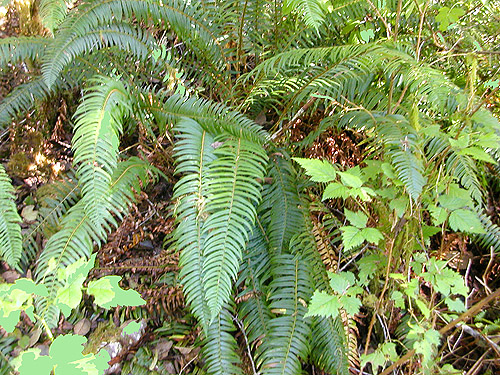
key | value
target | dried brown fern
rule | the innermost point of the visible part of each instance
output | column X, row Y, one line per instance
column 330, row 259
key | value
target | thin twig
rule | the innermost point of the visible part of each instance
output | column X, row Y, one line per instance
column 187, row 364
column 242, row 329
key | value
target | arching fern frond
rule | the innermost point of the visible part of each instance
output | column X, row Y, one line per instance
column 289, row 340
column 59, row 197
column 282, row 217
column 220, row 349
column 254, row 277
column 21, row 48
column 233, row 193
column 214, row 117
column 492, row 236
column 52, row 13
column 22, row 98
column 313, row 11
column 10, row 231
column 95, row 142
column 78, row 234
column 194, row 151
column 133, row 40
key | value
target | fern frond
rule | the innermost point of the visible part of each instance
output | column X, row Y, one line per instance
column 22, row 98
column 233, row 192
column 59, row 197
column 283, row 218
column 10, row 231
column 214, row 117
column 78, row 234
column 401, row 143
column 133, row 40
column 220, row 349
column 52, row 13
column 328, row 349
column 186, row 19
column 462, row 167
column 194, row 151
column 492, row 236
column 331, row 351
column 15, row 49
column 289, row 339
column 254, row 275
column 96, row 140
column 313, row 11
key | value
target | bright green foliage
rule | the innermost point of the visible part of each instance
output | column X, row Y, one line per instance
column 65, row 357
column 313, row 10
column 384, row 353
column 53, row 13
column 318, row 170
column 327, row 305
column 107, row 293
column 10, row 231
column 16, row 297
column 355, row 234
column 447, row 16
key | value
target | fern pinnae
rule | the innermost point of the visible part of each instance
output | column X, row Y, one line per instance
column 78, row 235
column 233, row 191
column 255, row 272
column 220, row 349
column 96, row 139
column 122, row 35
column 23, row 98
column 193, row 152
column 53, row 13
column 10, row 230
column 288, row 341
column 15, row 49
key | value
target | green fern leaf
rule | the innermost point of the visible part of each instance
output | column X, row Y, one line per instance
column 233, row 191
column 220, row 349
column 96, row 140
column 194, row 151
column 255, row 272
column 289, row 338
column 313, row 10
column 53, row 13
column 10, row 230
column 15, row 49
column 64, row 50
column 22, row 98
column 78, row 234
column 282, row 217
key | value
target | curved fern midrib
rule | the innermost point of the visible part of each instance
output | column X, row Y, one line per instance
column 199, row 226
column 196, row 21
column 82, row 221
column 286, row 205
column 101, row 116
column 62, row 51
column 294, row 314
column 220, row 267
column 59, row 204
